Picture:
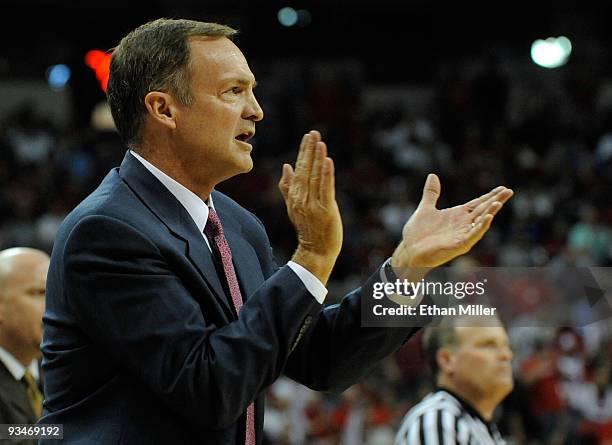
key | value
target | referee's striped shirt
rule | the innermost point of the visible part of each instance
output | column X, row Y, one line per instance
column 442, row 418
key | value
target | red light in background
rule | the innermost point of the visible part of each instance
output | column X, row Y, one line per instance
column 99, row 61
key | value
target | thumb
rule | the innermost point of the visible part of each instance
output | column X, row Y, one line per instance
column 431, row 191
column 285, row 180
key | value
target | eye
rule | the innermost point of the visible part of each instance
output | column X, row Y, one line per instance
column 36, row 292
column 236, row 90
column 487, row 344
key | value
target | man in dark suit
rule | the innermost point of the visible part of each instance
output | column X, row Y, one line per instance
column 23, row 273
column 167, row 315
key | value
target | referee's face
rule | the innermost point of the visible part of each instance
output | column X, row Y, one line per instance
column 482, row 361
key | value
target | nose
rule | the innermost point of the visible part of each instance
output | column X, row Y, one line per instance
column 506, row 353
column 253, row 110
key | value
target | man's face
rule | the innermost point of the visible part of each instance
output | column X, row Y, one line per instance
column 212, row 133
column 481, row 362
column 23, row 303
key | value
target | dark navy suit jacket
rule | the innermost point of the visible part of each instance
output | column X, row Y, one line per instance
column 141, row 344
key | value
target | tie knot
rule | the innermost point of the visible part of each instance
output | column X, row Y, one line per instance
column 213, row 224
column 28, row 378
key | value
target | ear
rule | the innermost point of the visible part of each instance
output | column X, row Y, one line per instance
column 161, row 108
column 446, row 361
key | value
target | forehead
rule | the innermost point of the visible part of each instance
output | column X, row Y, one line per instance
column 28, row 269
column 217, row 60
column 470, row 335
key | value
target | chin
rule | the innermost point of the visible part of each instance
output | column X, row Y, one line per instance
column 247, row 164
column 505, row 387
column 239, row 169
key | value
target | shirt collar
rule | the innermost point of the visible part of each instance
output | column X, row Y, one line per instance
column 15, row 367
column 197, row 209
column 466, row 406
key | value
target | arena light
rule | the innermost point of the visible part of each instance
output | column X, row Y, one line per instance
column 552, row 52
column 287, row 16
column 99, row 61
column 58, row 76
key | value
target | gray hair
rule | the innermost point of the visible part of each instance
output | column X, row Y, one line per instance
column 153, row 57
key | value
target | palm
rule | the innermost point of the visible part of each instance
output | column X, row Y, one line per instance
column 432, row 237
column 436, row 235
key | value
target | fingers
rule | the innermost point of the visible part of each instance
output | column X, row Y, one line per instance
column 482, row 222
column 484, row 205
column 313, row 179
column 303, row 165
column 505, row 195
column 496, row 192
column 431, row 191
column 327, row 192
column 477, row 201
column 285, row 181
column 316, row 174
column 501, row 196
column 479, row 229
column 493, row 208
column 302, row 149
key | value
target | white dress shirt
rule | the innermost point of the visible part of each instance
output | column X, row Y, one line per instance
column 198, row 210
column 15, row 367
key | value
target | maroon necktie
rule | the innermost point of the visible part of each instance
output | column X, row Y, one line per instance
column 214, row 232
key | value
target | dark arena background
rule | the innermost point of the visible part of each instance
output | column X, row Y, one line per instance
column 472, row 91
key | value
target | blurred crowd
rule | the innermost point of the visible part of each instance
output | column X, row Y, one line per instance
column 549, row 138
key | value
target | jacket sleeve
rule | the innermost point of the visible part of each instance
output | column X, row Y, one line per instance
column 136, row 309
column 332, row 351
column 337, row 351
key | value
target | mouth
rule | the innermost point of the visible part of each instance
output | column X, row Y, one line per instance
column 245, row 136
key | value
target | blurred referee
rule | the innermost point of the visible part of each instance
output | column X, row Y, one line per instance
column 471, row 362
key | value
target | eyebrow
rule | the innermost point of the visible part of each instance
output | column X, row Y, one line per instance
column 245, row 82
column 37, row 289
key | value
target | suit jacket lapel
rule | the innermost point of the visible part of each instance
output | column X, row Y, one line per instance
column 15, row 394
column 174, row 216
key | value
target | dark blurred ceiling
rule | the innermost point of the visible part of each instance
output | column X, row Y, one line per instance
column 387, row 33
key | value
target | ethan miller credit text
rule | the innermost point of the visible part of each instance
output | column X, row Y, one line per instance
column 433, row 310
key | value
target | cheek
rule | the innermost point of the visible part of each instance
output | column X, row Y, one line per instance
column 474, row 362
column 18, row 324
column 39, row 310
column 216, row 129
column 219, row 115
column 227, row 119
column 32, row 312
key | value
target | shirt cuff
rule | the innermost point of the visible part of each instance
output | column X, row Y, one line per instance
column 312, row 283
column 388, row 276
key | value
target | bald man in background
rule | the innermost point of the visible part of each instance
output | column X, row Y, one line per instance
column 23, row 273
